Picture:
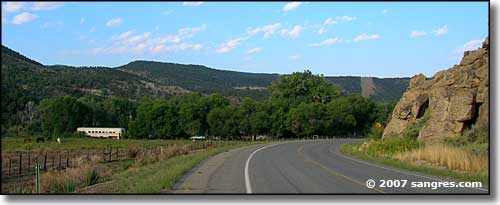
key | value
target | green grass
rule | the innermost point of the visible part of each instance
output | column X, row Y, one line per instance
column 155, row 177
column 352, row 150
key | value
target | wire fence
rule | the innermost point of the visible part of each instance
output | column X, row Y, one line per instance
column 17, row 165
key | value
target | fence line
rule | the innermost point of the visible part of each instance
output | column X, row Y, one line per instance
column 15, row 165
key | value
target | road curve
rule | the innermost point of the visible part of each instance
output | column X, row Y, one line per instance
column 309, row 167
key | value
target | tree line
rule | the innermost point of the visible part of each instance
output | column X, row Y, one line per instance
column 301, row 104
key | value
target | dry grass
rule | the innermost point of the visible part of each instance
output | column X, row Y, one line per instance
column 150, row 156
column 85, row 173
column 451, row 157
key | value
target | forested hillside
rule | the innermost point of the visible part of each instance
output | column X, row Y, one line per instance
column 25, row 80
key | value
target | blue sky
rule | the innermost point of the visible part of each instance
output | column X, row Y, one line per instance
column 382, row 39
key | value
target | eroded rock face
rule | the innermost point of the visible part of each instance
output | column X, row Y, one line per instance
column 455, row 99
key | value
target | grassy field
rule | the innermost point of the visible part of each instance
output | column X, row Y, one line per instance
column 145, row 172
column 18, row 145
column 390, row 157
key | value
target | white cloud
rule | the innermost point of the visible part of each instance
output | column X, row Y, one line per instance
column 178, row 47
column 345, row 18
column 114, row 22
column 268, row 30
column 122, row 36
column 182, row 34
column 192, row 3
column 291, row 6
column 229, row 45
column 82, row 20
column 329, row 21
column 365, row 36
column 385, row 11
column 13, row 6
column 24, row 17
column 441, row 31
column 327, row 42
column 294, row 57
column 320, row 31
column 58, row 24
column 130, row 43
column 254, row 50
column 292, row 33
column 415, row 34
column 472, row 45
column 132, row 40
column 46, row 5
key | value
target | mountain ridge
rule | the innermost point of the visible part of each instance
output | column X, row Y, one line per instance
column 164, row 79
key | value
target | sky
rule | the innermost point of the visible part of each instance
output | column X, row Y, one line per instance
column 379, row 39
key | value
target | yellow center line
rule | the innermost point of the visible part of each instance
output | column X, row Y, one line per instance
column 330, row 171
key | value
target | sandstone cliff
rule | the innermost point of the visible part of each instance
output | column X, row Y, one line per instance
column 455, row 99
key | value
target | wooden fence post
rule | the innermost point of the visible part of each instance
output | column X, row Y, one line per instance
column 60, row 159
column 10, row 166
column 20, row 164
column 45, row 162
column 29, row 163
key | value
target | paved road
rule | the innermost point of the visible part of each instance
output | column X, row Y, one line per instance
column 299, row 167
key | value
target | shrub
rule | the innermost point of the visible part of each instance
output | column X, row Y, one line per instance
column 475, row 135
column 376, row 131
column 92, row 176
column 414, row 128
column 390, row 146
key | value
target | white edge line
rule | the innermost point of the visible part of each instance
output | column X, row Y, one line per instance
column 395, row 170
column 247, row 177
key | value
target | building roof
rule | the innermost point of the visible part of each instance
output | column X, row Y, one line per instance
column 100, row 128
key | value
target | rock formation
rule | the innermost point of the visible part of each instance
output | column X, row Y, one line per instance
column 456, row 98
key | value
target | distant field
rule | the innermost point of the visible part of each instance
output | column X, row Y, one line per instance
column 18, row 145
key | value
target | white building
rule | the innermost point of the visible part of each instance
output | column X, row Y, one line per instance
column 102, row 132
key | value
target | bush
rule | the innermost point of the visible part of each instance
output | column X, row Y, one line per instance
column 390, row 146
column 475, row 135
column 411, row 132
column 376, row 131
column 92, row 176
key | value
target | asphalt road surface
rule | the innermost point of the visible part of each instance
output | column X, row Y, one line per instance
column 314, row 167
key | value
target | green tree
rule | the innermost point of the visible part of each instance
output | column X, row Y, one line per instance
column 300, row 87
column 63, row 114
column 308, row 119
